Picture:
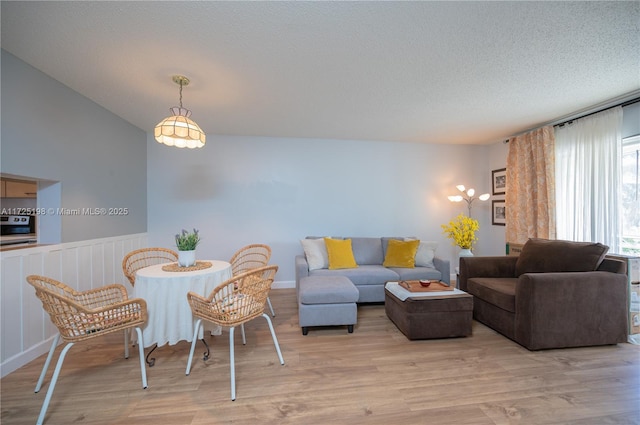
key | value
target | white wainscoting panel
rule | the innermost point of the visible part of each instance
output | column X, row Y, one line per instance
column 26, row 331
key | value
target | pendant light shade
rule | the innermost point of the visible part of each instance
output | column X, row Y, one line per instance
column 178, row 129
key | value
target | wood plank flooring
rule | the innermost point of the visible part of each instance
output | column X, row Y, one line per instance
column 372, row 376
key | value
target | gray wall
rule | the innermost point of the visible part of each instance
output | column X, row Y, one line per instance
column 496, row 237
column 51, row 132
column 241, row 190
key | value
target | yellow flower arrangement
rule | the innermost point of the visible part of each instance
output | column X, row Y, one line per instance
column 462, row 231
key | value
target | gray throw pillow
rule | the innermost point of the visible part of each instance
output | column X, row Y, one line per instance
column 549, row 256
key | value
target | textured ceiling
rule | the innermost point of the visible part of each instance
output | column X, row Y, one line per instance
column 430, row 72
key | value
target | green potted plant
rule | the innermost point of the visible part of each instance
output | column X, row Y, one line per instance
column 187, row 243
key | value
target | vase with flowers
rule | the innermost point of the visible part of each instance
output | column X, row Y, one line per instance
column 462, row 232
column 187, row 243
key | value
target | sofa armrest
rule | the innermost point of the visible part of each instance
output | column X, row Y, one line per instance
column 504, row 266
column 301, row 269
column 613, row 265
column 573, row 309
column 444, row 267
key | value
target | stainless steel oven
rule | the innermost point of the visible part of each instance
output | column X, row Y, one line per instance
column 17, row 229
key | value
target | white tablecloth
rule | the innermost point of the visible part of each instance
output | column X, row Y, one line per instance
column 169, row 315
column 402, row 294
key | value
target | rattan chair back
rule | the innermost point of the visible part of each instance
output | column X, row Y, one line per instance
column 237, row 300
column 83, row 315
column 140, row 258
column 250, row 257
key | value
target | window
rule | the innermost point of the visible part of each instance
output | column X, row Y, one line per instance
column 631, row 196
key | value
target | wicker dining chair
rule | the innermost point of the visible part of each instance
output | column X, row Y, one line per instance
column 140, row 258
column 234, row 302
column 251, row 257
column 80, row 316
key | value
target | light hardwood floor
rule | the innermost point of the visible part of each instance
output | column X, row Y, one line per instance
column 372, row 376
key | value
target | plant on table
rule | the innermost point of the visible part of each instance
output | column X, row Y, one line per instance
column 187, row 241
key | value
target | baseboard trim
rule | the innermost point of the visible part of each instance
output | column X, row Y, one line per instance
column 24, row 357
column 284, row 284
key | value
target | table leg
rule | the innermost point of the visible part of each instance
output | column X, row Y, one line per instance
column 206, row 355
column 151, row 361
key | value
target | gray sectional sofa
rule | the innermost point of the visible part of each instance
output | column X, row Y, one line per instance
column 370, row 276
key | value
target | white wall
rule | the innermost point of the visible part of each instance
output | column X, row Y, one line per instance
column 497, row 159
column 51, row 132
column 241, row 190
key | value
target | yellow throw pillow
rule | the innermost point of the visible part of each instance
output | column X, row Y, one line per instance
column 340, row 254
column 401, row 253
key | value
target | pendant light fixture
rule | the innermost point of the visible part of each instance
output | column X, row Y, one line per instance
column 178, row 129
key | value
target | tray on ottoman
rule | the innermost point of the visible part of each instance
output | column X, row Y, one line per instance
column 429, row 315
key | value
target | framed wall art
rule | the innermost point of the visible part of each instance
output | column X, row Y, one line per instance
column 499, row 181
column 498, row 213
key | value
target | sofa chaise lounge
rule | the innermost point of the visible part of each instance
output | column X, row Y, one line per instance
column 328, row 293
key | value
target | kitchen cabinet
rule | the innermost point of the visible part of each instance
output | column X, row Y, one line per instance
column 19, row 189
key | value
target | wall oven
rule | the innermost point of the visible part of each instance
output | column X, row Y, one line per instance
column 17, row 229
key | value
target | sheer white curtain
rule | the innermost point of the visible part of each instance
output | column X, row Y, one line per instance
column 588, row 158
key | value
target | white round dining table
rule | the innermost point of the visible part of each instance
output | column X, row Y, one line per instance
column 169, row 318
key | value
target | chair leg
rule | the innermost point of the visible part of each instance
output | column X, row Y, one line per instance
column 193, row 345
column 126, row 343
column 273, row 313
column 232, row 363
column 244, row 338
column 275, row 339
column 143, row 369
column 45, row 367
column 52, row 385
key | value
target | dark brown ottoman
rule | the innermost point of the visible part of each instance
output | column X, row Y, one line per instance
column 437, row 316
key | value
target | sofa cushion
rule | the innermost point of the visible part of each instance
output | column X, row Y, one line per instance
column 550, row 256
column 327, row 290
column 315, row 251
column 426, row 253
column 500, row 292
column 367, row 250
column 340, row 254
column 417, row 273
column 385, row 242
column 401, row 253
column 362, row 275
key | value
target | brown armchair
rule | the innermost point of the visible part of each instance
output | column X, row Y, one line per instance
column 556, row 294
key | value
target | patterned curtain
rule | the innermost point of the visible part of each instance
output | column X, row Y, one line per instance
column 530, row 197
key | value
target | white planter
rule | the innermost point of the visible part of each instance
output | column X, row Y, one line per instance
column 464, row 253
column 186, row 258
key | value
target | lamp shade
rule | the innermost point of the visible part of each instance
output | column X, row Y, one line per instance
column 468, row 196
column 179, row 130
